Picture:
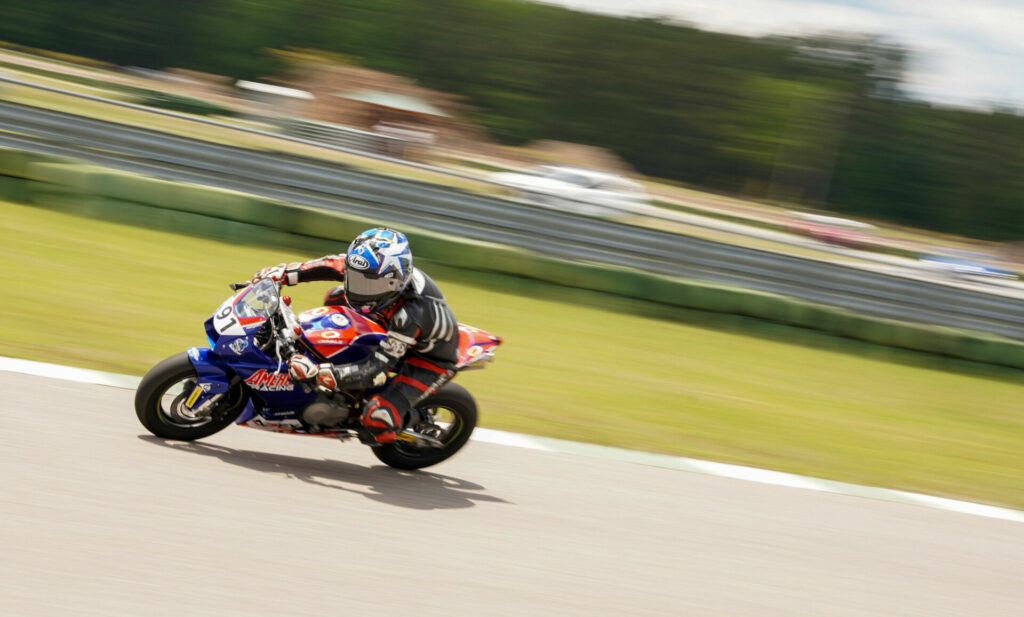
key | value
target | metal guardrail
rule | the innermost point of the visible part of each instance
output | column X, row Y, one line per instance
column 237, row 128
column 349, row 138
column 446, row 210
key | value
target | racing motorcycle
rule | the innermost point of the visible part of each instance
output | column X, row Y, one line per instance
column 242, row 377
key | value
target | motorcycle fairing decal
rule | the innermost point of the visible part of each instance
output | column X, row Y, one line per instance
column 340, row 334
column 478, row 349
column 335, row 349
column 192, row 398
column 225, row 322
column 293, row 427
column 270, row 388
column 277, row 426
column 267, row 381
column 242, row 347
column 312, row 314
column 268, row 419
column 228, row 322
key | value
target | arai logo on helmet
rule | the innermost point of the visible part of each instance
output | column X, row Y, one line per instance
column 358, row 262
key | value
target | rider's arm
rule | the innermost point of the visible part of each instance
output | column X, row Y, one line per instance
column 327, row 268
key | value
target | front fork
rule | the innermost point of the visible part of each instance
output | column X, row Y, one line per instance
column 212, row 383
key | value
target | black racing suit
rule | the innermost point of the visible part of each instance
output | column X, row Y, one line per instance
column 422, row 342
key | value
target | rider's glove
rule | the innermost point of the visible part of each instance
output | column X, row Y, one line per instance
column 302, row 370
column 275, row 273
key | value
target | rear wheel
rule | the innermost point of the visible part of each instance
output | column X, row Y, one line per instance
column 448, row 416
column 160, row 402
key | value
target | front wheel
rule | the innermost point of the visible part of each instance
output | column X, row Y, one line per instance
column 160, row 402
column 448, row 416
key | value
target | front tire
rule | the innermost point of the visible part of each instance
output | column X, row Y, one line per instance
column 454, row 416
column 159, row 402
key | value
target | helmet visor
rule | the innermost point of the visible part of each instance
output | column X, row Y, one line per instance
column 363, row 289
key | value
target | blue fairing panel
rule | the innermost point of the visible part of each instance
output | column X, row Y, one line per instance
column 214, row 377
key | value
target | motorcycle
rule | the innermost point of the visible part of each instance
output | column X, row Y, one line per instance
column 242, row 377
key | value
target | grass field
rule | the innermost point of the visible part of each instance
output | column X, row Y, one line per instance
column 576, row 365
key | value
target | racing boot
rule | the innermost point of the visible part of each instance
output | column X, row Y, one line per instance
column 382, row 421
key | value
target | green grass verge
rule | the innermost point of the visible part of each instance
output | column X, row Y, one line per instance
column 576, row 364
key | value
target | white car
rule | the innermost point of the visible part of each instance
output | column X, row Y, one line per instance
column 571, row 188
column 966, row 264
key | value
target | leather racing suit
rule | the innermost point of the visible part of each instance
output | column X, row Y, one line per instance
column 422, row 342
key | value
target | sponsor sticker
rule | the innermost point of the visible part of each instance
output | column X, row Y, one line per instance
column 393, row 347
column 313, row 313
column 358, row 262
column 192, row 397
column 239, row 346
column 277, row 426
column 264, row 381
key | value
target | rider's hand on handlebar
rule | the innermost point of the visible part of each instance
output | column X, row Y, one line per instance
column 275, row 273
column 301, row 369
column 304, row 371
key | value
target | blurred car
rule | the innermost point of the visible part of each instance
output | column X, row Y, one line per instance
column 834, row 230
column 966, row 264
column 577, row 189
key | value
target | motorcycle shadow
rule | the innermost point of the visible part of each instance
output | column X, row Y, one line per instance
column 419, row 490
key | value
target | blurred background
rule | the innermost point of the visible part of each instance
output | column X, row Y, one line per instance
column 757, row 183
column 860, row 121
column 779, row 234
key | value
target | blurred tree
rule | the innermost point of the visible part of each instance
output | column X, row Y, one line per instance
column 816, row 120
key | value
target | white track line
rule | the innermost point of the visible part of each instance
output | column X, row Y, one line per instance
column 548, row 444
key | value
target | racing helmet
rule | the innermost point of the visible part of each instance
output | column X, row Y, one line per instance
column 378, row 266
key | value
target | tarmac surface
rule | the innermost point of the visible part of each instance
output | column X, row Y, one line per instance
column 98, row 518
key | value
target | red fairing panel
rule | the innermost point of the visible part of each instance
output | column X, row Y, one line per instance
column 330, row 329
column 473, row 343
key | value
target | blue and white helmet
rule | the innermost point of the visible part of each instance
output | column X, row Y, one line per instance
column 378, row 266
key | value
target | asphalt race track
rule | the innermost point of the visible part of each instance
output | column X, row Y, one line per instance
column 96, row 518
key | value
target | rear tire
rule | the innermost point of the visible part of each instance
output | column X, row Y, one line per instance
column 159, row 402
column 455, row 410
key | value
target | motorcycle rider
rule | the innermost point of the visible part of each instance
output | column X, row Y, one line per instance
column 422, row 333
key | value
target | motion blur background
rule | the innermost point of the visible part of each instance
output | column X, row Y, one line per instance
column 831, row 152
column 780, row 234
column 819, row 120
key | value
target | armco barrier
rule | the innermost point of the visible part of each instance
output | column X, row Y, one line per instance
column 139, row 200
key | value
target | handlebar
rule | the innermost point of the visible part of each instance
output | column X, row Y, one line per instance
column 290, row 322
column 237, row 286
